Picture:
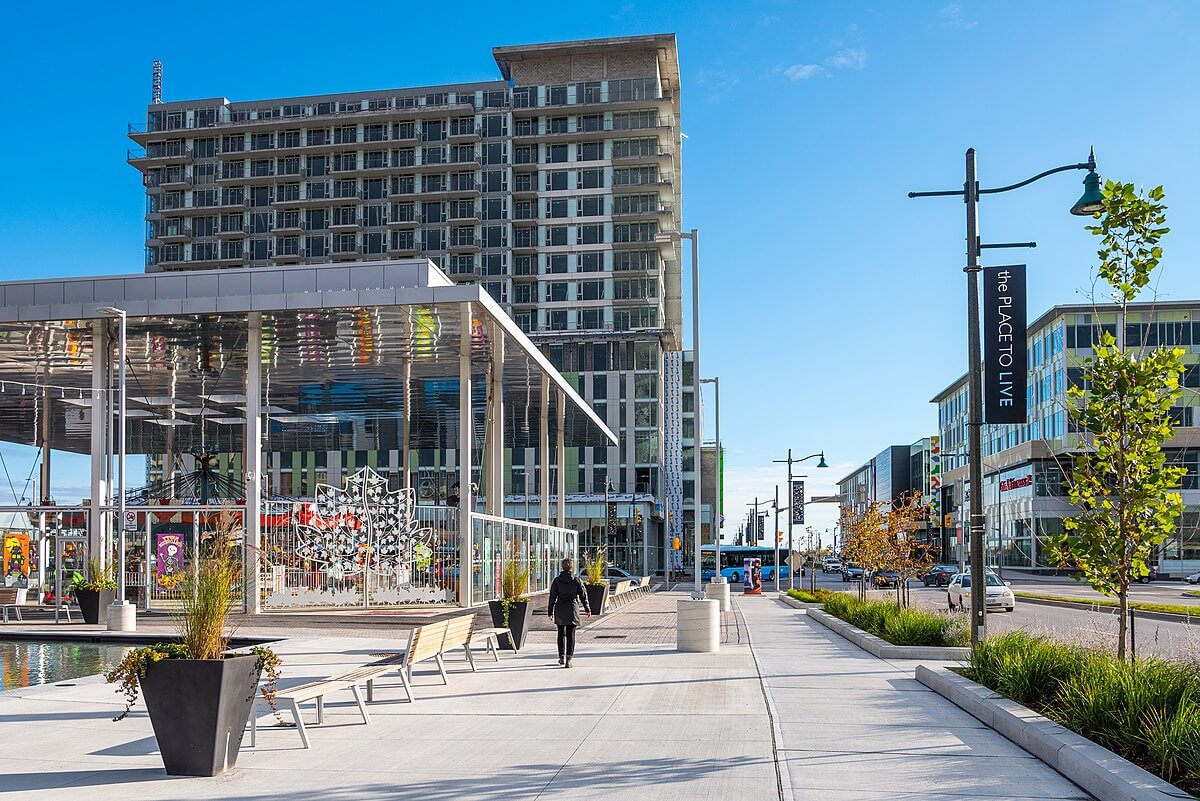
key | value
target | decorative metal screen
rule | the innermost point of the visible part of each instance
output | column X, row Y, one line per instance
column 358, row 545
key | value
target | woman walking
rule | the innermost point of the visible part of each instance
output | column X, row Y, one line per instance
column 566, row 597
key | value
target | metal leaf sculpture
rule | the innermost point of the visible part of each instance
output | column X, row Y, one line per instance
column 362, row 526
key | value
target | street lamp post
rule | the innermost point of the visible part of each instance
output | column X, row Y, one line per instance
column 122, row 615
column 1088, row 204
column 789, row 461
column 697, row 482
column 718, row 510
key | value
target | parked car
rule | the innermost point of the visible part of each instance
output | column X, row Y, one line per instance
column 885, row 579
column 996, row 591
column 1149, row 577
column 939, row 575
column 831, row 565
column 1193, row 579
column 851, row 572
column 616, row 574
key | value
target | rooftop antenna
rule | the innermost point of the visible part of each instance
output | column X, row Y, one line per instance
column 156, row 83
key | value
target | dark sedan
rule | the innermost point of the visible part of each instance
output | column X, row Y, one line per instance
column 885, row 579
column 939, row 575
column 852, row 572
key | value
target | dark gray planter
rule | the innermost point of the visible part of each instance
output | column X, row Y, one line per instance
column 199, row 709
column 93, row 604
column 519, row 616
column 597, row 595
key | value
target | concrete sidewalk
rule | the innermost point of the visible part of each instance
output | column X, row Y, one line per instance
column 850, row 726
column 632, row 719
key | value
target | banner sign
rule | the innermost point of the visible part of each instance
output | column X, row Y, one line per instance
column 751, row 576
column 1005, row 363
column 935, row 478
column 611, row 524
column 798, row 503
column 169, row 557
column 16, row 559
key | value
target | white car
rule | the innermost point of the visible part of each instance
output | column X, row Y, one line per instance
column 1193, row 579
column 999, row 596
column 831, row 565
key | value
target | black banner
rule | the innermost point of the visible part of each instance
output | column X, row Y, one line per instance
column 1005, row 364
column 611, row 523
column 798, row 503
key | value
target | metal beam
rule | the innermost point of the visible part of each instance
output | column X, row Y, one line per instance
column 252, row 462
column 466, row 498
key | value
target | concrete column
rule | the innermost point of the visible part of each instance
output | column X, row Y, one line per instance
column 698, row 626
column 101, row 420
column 543, row 459
column 252, row 462
column 466, row 502
column 561, row 513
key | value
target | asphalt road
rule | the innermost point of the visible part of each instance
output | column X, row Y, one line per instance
column 1084, row 625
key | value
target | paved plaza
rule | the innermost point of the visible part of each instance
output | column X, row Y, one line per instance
column 786, row 709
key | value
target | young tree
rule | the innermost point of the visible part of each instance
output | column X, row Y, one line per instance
column 910, row 557
column 1125, row 491
column 865, row 540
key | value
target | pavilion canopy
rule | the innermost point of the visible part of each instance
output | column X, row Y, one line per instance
column 350, row 354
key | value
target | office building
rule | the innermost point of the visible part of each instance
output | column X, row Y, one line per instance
column 1025, row 466
column 549, row 186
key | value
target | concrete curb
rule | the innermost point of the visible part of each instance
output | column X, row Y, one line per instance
column 792, row 602
column 882, row 648
column 1083, row 603
column 1097, row 770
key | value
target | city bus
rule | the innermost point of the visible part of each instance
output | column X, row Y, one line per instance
column 733, row 565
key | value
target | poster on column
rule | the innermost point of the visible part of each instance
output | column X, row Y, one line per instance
column 170, row 562
column 16, row 559
column 1005, row 361
column 751, row 576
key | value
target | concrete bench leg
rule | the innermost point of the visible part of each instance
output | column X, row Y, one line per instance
column 370, row 691
column 494, row 646
column 299, row 721
column 470, row 657
column 362, row 707
column 320, row 709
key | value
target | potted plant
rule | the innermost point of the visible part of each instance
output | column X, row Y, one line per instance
column 512, row 609
column 595, row 580
column 199, row 695
column 95, row 593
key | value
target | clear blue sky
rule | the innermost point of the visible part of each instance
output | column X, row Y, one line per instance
column 833, row 305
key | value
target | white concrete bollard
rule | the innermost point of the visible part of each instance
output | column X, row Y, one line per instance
column 698, row 626
column 122, row 617
column 719, row 593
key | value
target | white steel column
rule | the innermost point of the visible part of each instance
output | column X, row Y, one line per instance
column 252, row 463
column 561, row 514
column 466, row 498
column 405, row 422
column 543, row 459
column 101, row 420
column 495, row 435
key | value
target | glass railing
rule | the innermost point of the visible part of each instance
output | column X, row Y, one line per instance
column 499, row 540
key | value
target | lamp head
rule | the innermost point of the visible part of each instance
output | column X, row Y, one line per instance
column 1092, row 199
column 113, row 310
column 822, row 463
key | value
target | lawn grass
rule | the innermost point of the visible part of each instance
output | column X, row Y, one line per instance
column 899, row 626
column 1141, row 606
column 1147, row 711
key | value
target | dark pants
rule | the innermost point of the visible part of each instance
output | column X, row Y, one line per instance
column 566, row 641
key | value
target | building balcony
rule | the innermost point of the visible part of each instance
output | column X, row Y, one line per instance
column 289, row 258
column 406, row 250
column 464, row 244
column 288, row 228
column 544, row 132
column 176, row 237
column 232, row 233
column 467, row 133
column 662, row 210
column 653, row 157
column 345, row 253
column 409, row 222
column 346, row 226
column 142, row 159
column 593, row 105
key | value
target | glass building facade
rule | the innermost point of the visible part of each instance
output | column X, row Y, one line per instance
column 1025, row 497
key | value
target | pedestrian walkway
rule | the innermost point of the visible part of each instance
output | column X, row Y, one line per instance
column 631, row 720
column 852, row 727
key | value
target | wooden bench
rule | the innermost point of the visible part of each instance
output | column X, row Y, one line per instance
column 11, row 598
column 490, row 637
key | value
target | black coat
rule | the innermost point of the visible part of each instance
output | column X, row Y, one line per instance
column 566, row 597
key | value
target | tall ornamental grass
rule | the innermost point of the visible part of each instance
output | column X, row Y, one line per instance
column 896, row 625
column 1147, row 711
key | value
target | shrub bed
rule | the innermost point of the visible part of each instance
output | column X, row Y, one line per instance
column 899, row 626
column 815, row 597
column 1147, row 711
